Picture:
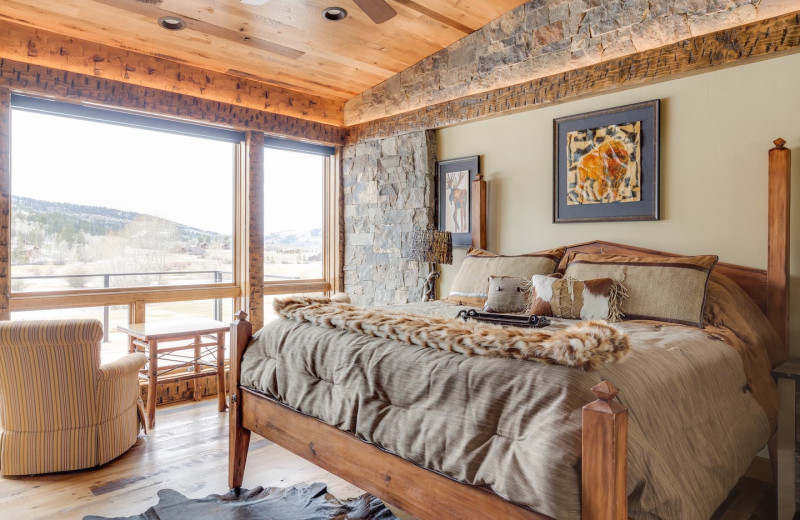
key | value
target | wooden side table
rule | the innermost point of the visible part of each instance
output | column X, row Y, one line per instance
column 204, row 335
column 787, row 375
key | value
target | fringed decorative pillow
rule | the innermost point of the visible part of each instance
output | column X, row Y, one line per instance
column 597, row 299
column 507, row 294
column 671, row 289
column 471, row 284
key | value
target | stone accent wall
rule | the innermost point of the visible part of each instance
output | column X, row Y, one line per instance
column 389, row 190
column 545, row 37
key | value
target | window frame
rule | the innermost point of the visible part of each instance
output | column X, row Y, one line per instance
column 328, row 283
column 137, row 297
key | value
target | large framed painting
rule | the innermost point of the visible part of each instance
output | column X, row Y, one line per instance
column 455, row 178
column 605, row 165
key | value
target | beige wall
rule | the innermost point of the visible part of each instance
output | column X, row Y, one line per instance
column 716, row 129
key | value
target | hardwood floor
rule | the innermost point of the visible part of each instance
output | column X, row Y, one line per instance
column 188, row 452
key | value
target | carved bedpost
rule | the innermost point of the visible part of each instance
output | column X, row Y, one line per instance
column 239, row 437
column 604, row 467
column 782, row 444
column 778, row 243
column 478, row 203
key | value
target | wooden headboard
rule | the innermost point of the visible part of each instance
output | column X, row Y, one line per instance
column 753, row 281
column 769, row 289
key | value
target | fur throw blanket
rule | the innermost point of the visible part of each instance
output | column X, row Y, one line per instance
column 587, row 345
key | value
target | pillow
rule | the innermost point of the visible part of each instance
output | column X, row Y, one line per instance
column 507, row 294
column 671, row 289
column 597, row 299
column 471, row 284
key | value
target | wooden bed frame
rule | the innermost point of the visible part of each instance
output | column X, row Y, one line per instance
column 430, row 496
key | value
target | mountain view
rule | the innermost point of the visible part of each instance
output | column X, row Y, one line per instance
column 81, row 244
column 69, row 221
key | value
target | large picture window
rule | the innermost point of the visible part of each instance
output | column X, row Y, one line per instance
column 135, row 218
column 111, row 200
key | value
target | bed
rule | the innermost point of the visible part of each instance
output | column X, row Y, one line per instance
column 520, row 462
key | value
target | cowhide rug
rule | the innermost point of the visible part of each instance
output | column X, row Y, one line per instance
column 295, row 503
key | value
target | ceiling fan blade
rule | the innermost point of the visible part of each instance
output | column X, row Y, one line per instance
column 378, row 10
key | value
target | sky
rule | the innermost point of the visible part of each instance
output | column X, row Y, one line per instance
column 184, row 179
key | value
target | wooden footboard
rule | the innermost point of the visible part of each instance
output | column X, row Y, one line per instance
column 420, row 492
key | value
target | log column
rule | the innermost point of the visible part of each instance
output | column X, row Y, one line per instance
column 255, row 228
column 5, row 202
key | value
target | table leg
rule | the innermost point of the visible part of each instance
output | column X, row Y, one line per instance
column 196, row 390
column 786, row 449
column 152, row 389
column 221, row 372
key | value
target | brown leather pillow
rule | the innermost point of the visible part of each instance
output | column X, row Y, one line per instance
column 597, row 299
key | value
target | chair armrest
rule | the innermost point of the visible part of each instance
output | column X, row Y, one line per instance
column 118, row 386
column 131, row 363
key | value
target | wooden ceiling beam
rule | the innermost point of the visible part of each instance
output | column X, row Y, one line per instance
column 43, row 48
column 242, row 37
column 737, row 46
column 68, row 86
column 430, row 13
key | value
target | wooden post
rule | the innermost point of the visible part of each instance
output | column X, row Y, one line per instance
column 135, row 315
column 5, row 203
column 196, row 392
column 604, row 467
column 239, row 438
column 479, row 212
column 255, row 227
column 152, row 383
column 222, row 405
column 779, row 193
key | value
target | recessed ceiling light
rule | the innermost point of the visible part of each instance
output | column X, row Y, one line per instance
column 334, row 14
column 172, row 23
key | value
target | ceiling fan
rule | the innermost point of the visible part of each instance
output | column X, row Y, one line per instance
column 378, row 10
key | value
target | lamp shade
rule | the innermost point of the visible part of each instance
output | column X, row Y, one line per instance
column 430, row 245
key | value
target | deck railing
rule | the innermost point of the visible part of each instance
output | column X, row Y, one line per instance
column 217, row 276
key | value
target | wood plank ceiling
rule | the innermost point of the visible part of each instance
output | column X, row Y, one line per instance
column 283, row 43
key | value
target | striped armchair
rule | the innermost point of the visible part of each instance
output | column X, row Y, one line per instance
column 59, row 409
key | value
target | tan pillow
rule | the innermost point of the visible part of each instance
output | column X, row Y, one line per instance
column 597, row 299
column 671, row 289
column 506, row 295
column 471, row 285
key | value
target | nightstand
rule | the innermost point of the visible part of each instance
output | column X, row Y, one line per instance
column 787, row 375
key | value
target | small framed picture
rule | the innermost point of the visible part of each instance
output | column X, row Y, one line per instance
column 454, row 180
column 606, row 165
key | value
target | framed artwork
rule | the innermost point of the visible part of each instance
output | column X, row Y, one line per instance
column 605, row 165
column 454, row 178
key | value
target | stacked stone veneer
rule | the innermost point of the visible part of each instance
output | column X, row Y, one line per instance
column 388, row 191
column 545, row 37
